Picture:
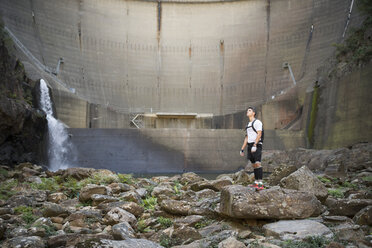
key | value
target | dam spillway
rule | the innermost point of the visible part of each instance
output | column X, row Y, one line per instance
column 178, row 56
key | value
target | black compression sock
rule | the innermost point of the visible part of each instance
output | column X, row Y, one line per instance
column 256, row 175
column 259, row 173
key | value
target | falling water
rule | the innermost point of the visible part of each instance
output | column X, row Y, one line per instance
column 60, row 150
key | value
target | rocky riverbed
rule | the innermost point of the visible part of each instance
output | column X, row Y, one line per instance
column 313, row 199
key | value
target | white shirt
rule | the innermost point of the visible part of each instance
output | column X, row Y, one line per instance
column 252, row 135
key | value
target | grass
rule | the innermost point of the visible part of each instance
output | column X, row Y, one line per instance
column 126, row 178
column 6, row 189
column 150, row 203
column 164, row 222
column 309, row 242
column 337, row 193
column 367, row 179
column 142, row 227
column 27, row 214
column 203, row 223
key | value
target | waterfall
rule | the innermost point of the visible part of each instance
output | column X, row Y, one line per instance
column 60, row 149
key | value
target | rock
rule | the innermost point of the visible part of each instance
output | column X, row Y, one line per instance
column 42, row 221
column 205, row 207
column 128, row 243
column 97, row 199
column 364, row 216
column 57, row 197
column 52, row 210
column 211, row 241
column 280, row 172
column 6, row 211
column 348, row 232
column 36, row 231
column 184, row 233
column 274, row 203
column 176, row 207
column 346, row 207
column 3, row 228
column 19, row 200
column 58, row 220
column 29, row 242
column 133, row 208
column 17, row 232
column 215, row 185
column 117, row 215
column 122, row 231
column 73, row 239
column 190, row 220
column 190, row 177
column 242, row 177
column 296, row 229
column 206, row 193
column 91, row 189
column 162, row 192
column 304, row 180
column 119, row 187
column 211, row 229
column 77, row 173
column 131, row 196
column 231, row 243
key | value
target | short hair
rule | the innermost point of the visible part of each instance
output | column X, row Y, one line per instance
column 253, row 109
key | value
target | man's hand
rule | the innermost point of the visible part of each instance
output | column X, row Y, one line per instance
column 242, row 153
column 254, row 148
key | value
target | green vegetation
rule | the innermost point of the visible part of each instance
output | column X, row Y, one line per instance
column 142, row 227
column 164, row 222
column 177, row 187
column 149, row 203
column 357, row 48
column 3, row 172
column 309, row 242
column 314, row 110
column 168, row 242
column 126, row 178
column 7, row 189
column 367, row 179
column 324, row 179
column 49, row 230
column 337, row 193
column 27, row 214
column 203, row 223
column 46, row 184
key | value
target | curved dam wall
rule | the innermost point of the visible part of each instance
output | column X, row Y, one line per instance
column 213, row 57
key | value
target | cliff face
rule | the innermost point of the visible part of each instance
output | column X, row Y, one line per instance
column 22, row 127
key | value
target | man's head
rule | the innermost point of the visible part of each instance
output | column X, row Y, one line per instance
column 251, row 111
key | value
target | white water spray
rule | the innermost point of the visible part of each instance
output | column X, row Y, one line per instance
column 60, row 150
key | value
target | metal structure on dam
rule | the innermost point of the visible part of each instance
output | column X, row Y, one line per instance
column 205, row 56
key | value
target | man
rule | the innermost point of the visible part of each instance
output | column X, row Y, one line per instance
column 254, row 142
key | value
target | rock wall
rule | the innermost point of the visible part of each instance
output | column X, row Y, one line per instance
column 22, row 127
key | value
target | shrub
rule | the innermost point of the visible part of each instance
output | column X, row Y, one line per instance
column 203, row 223
column 164, row 222
column 337, row 193
column 26, row 212
column 126, row 178
column 150, row 203
column 309, row 242
column 46, row 184
column 6, row 189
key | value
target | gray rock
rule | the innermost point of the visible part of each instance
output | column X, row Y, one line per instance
column 117, row 215
column 163, row 191
column 176, row 207
column 52, row 209
column 42, row 221
column 206, row 193
column 346, row 207
column 19, row 200
column 6, row 211
column 17, row 232
column 97, row 199
column 364, row 216
column 122, row 231
column 231, row 243
column 128, row 243
column 190, row 177
column 190, row 220
column 142, row 192
column 211, row 241
column 131, row 196
column 57, row 197
column 77, row 173
column 133, row 208
column 215, row 185
column 29, row 242
column 274, row 203
column 72, row 239
column 280, row 172
column 36, row 231
column 184, row 233
column 119, row 187
column 348, row 232
column 304, row 180
column 296, row 229
column 91, row 189
column 2, row 229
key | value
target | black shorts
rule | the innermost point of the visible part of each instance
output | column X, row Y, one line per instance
column 254, row 157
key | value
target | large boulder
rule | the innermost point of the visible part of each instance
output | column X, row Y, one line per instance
column 280, row 172
column 128, row 243
column 30, row 242
column 364, row 216
column 346, row 207
column 275, row 203
column 304, row 180
column 122, row 231
column 91, row 189
column 296, row 229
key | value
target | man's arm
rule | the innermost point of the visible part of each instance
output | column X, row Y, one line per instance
column 244, row 145
column 259, row 134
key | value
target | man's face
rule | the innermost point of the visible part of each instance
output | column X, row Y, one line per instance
column 250, row 113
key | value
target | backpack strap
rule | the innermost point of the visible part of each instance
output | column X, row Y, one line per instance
column 254, row 129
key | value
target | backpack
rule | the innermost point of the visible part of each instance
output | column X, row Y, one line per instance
column 254, row 129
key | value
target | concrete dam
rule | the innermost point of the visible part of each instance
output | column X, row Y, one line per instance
column 183, row 71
